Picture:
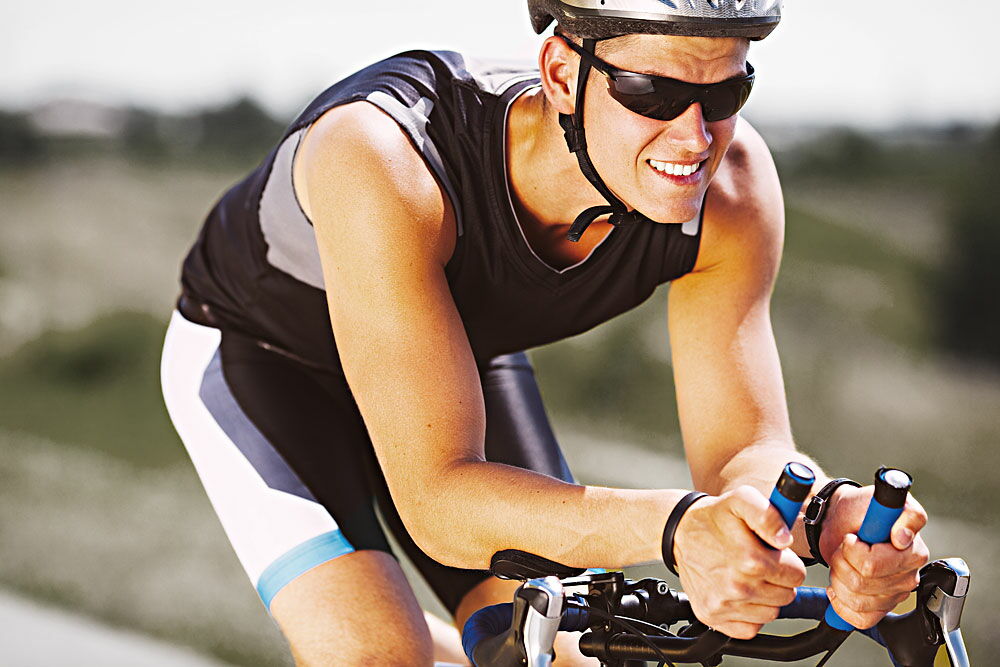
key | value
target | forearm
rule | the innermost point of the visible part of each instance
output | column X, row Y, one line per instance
column 759, row 465
column 503, row 507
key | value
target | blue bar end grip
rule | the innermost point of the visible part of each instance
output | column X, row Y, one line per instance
column 791, row 490
column 877, row 526
column 891, row 488
column 789, row 509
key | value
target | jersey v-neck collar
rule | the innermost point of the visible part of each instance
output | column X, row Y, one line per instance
column 517, row 240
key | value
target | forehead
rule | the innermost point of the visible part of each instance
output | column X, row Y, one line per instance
column 694, row 59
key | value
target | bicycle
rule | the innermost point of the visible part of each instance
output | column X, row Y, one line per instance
column 626, row 623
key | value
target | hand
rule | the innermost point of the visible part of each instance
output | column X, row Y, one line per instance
column 867, row 582
column 735, row 583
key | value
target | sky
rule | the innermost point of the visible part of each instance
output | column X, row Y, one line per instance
column 873, row 64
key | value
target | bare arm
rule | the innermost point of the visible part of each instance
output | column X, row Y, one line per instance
column 730, row 390
column 731, row 394
column 385, row 232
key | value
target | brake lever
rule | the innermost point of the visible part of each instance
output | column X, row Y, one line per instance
column 950, row 578
column 544, row 599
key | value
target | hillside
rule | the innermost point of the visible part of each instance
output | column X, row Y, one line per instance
column 90, row 249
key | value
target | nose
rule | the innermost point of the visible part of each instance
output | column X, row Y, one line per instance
column 689, row 131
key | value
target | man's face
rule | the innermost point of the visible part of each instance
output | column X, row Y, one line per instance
column 634, row 154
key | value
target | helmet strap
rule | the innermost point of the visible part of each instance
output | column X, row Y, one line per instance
column 576, row 141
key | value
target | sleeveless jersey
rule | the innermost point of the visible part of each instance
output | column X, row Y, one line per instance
column 255, row 266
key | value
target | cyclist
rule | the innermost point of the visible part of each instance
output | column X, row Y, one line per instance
column 354, row 314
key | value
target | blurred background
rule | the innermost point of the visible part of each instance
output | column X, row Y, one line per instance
column 120, row 124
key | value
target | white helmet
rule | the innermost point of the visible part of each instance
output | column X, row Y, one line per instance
column 602, row 19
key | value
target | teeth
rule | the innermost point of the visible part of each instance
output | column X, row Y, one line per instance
column 675, row 169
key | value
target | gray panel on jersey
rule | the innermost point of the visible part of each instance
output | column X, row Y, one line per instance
column 415, row 120
column 261, row 454
column 291, row 240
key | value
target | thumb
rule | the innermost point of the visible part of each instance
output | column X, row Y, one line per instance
column 909, row 523
column 761, row 518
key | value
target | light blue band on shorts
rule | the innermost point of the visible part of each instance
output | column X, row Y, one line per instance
column 300, row 560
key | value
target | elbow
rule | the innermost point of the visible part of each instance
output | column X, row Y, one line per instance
column 439, row 523
column 442, row 538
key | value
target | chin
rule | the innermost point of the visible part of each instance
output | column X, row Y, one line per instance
column 673, row 213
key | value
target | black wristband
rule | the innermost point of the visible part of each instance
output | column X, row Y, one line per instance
column 816, row 512
column 667, row 545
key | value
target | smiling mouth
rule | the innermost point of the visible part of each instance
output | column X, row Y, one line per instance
column 675, row 168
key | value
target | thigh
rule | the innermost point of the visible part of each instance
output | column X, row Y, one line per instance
column 384, row 624
column 518, row 433
column 274, row 451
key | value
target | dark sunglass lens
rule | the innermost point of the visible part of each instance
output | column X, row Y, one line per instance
column 725, row 100
column 647, row 97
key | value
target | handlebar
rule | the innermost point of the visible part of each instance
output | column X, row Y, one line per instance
column 912, row 639
column 613, row 606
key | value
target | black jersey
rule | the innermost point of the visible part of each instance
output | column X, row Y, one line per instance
column 255, row 266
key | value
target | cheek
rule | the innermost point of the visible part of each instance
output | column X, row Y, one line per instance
column 723, row 132
column 615, row 135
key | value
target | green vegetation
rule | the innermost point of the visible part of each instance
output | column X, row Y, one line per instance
column 238, row 133
column 20, row 144
column 868, row 310
column 96, row 387
column 969, row 298
column 613, row 379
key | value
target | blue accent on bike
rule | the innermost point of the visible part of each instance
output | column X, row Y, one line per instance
column 789, row 509
column 791, row 490
column 878, row 522
column 811, row 603
column 300, row 560
column 486, row 623
column 834, row 620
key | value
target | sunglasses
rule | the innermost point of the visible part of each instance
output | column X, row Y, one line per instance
column 662, row 98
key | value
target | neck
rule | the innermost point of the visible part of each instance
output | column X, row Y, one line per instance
column 547, row 186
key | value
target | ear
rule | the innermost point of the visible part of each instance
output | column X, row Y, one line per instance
column 558, row 66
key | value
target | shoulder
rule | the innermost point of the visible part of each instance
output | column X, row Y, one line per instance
column 357, row 166
column 744, row 210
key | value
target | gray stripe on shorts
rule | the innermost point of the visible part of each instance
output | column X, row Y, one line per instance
column 265, row 459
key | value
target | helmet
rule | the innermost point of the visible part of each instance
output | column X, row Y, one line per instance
column 602, row 19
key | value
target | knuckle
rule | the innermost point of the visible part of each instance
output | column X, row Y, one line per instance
column 796, row 573
column 740, row 590
column 771, row 614
column 753, row 567
column 850, row 580
column 868, row 620
column 746, row 493
column 743, row 630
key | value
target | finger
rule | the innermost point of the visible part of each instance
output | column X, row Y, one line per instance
column 849, row 581
column 756, row 613
column 789, row 571
column 883, row 560
column 870, row 604
column 909, row 523
column 737, row 630
column 862, row 621
column 770, row 595
column 763, row 519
